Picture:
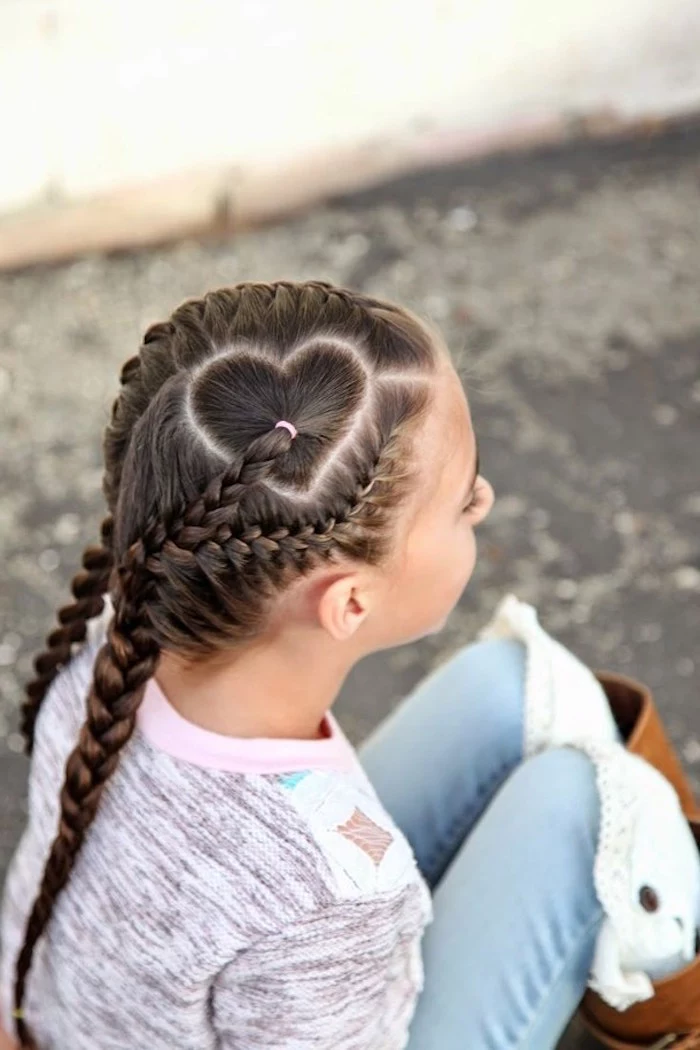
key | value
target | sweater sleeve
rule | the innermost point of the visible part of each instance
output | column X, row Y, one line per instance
column 345, row 978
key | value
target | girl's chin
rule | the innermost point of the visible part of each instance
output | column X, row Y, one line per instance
column 427, row 632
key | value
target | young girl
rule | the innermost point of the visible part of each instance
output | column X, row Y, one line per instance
column 293, row 483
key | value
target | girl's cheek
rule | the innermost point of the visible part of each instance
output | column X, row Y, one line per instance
column 462, row 566
column 469, row 558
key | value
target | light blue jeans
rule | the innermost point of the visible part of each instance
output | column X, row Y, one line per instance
column 506, row 845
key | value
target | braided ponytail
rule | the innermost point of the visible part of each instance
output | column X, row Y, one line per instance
column 122, row 668
column 214, row 510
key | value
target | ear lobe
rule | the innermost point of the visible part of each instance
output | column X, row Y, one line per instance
column 342, row 608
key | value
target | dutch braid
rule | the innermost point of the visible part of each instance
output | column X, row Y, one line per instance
column 213, row 510
column 122, row 668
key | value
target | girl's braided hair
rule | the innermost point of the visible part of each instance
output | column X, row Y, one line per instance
column 213, row 510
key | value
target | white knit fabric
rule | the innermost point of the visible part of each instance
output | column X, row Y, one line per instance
column 564, row 701
column 644, row 838
column 645, row 841
column 211, row 910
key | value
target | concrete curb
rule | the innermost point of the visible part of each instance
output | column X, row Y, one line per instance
column 224, row 200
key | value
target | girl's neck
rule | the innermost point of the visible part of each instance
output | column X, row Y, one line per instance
column 278, row 690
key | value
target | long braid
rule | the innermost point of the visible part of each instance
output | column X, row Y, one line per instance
column 215, row 510
column 122, row 668
column 88, row 588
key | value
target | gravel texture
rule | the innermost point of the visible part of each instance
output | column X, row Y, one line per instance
column 566, row 284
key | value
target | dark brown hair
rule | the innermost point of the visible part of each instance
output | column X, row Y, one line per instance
column 213, row 510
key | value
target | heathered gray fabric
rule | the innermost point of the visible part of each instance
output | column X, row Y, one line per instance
column 205, row 910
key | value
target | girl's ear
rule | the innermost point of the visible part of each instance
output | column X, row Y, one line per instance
column 343, row 605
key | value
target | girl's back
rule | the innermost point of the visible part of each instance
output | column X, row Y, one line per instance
column 207, row 896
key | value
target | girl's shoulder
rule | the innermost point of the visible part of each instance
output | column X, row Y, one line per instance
column 243, row 856
column 364, row 850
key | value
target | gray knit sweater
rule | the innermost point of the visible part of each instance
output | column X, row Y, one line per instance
column 232, row 894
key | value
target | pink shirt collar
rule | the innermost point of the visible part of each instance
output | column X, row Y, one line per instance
column 168, row 731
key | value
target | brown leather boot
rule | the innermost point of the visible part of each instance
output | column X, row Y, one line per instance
column 671, row 1020
column 638, row 720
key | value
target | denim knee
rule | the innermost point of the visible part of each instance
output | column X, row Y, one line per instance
column 558, row 788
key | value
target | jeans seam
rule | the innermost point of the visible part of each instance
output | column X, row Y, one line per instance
column 459, row 827
column 577, row 942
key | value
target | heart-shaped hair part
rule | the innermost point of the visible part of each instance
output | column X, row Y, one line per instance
column 238, row 397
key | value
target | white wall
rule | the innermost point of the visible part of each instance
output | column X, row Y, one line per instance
column 100, row 97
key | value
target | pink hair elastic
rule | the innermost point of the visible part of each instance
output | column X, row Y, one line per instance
column 288, row 426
